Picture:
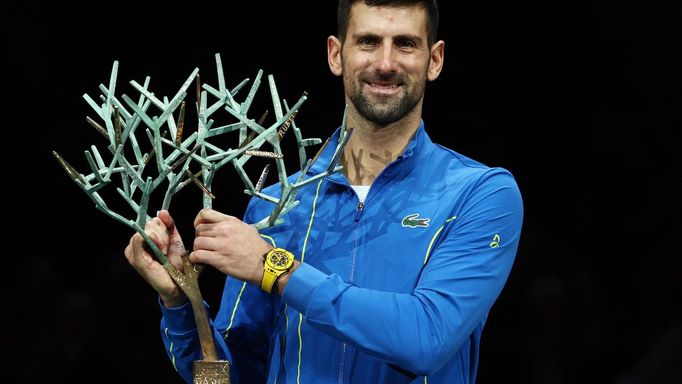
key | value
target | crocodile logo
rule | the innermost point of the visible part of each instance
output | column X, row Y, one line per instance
column 414, row 221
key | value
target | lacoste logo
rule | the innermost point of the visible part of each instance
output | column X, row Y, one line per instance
column 413, row 221
column 496, row 241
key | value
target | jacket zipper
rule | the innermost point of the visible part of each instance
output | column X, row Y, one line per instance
column 359, row 209
column 358, row 213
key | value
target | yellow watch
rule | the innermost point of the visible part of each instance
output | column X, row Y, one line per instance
column 277, row 262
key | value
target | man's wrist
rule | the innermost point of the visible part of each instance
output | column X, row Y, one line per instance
column 283, row 279
column 173, row 302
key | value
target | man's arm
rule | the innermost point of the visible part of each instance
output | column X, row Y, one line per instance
column 240, row 332
column 181, row 340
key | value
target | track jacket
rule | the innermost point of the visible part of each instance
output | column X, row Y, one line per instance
column 395, row 290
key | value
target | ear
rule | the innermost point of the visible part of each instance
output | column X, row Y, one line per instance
column 436, row 62
column 334, row 55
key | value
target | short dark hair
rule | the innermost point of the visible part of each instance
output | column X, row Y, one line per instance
column 431, row 7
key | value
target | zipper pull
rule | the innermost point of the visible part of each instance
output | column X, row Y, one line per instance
column 358, row 210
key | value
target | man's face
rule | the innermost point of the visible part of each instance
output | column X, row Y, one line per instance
column 385, row 61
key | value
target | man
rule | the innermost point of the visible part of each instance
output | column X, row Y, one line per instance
column 397, row 261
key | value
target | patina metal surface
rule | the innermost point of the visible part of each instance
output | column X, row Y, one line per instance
column 143, row 159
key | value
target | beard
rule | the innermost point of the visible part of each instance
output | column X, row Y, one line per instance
column 385, row 111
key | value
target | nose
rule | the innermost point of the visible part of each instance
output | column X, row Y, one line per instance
column 386, row 60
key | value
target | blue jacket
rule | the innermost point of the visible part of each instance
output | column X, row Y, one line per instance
column 395, row 290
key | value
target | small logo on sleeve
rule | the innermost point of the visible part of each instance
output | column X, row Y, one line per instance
column 414, row 221
column 496, row 241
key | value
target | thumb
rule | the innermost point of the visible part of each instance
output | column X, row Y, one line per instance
column 171, row 229
column 166, row 219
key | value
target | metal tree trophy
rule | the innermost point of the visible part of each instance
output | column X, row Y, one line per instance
column 176, row 160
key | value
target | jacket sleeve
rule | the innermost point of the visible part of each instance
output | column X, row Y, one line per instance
column 244, row 323
column 240, row 330
column 180, row 337
column 464, row 273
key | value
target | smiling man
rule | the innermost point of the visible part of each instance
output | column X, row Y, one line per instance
column 383, row 274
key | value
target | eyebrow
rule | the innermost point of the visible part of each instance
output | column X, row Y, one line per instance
column 415, row 38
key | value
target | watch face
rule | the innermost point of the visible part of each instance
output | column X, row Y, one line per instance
column 279, row 259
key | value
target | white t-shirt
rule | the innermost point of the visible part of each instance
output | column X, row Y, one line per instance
column 361, row 191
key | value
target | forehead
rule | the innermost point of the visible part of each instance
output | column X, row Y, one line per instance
column 387, row 20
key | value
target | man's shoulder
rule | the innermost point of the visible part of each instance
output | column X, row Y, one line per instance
column 450, row 155
column 466, row 169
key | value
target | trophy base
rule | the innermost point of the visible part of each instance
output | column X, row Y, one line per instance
column 211, row 372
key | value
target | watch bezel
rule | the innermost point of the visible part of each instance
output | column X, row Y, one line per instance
column 282, row 253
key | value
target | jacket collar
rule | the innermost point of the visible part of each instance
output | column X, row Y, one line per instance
column 415, row 150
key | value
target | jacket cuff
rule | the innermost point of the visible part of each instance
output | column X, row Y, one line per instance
column 179, row 319
column 299, row 289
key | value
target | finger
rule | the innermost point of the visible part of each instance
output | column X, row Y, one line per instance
column 136, row 253
column 175, row 240
column 156, row 239
column 128, row 252
column 135, row 245
column 158, row 233
column 202, row 256
column 152, row 226
column 206, row 230
column 208, row 215
column 154, row 223
column 206, row 243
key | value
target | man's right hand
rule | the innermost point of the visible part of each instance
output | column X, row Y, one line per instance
column 165, row 235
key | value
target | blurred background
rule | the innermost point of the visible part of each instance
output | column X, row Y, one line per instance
column 581, row 101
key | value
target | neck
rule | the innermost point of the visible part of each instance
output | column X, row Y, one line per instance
column 371, row 148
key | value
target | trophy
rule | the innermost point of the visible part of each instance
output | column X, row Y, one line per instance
column 150, row 151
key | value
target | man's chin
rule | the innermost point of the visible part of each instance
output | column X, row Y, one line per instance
column 382, row 119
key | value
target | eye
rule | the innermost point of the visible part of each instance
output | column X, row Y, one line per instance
column 367, row 41
column 406, row 43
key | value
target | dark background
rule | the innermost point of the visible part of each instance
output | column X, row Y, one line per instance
column 580, row 100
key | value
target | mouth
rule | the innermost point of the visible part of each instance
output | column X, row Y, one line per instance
column 383, row 87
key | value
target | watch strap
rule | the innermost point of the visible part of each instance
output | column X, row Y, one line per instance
column 268, row 281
